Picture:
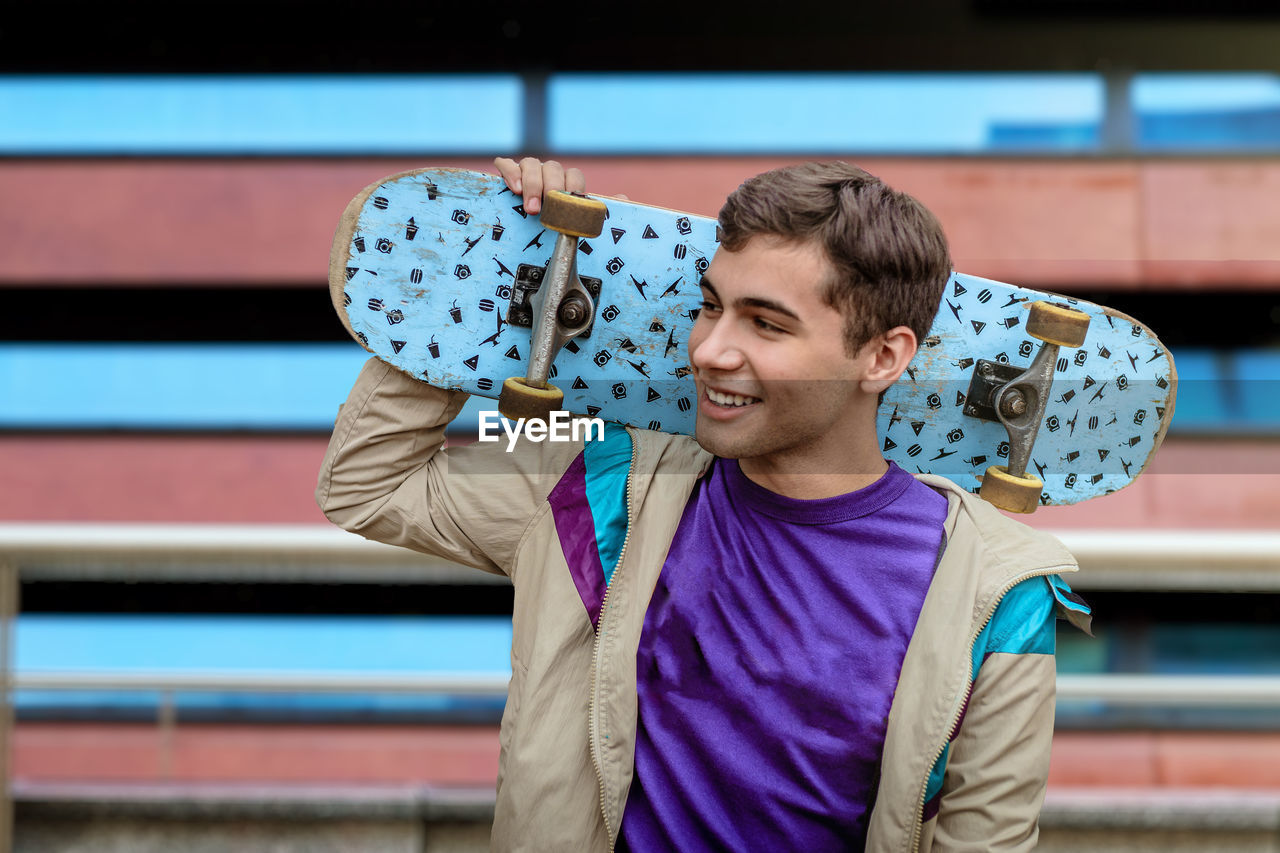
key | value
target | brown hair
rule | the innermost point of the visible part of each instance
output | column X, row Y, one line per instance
column 888, row 251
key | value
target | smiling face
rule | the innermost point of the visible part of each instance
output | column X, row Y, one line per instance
column 775, row 383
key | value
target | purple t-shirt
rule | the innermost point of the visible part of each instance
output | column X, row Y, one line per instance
column 769, row 657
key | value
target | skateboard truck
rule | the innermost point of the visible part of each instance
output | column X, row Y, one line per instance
column 562, row 306
column 528, row 282
column 1018, row 400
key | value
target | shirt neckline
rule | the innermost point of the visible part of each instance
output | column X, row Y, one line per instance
column 871, row 498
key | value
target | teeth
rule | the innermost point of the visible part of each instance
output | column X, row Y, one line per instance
column 730, row 399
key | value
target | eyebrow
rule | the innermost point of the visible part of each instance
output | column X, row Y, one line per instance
column 752, row 301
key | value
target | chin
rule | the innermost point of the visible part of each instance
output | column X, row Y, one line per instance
column 722, row 446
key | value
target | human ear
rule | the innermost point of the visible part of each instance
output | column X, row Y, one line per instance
column 886, row 357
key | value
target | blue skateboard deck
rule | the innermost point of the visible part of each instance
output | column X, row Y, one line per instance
column 430, row 271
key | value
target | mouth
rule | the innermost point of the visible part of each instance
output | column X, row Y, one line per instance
column 730, row 401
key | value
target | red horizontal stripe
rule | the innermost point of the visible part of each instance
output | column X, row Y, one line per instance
column 1038, row 222
column 270, row 479
column 1165, row 759
column 459, row 756
column 1191, row 484
column 467, row 756
column 127, row 478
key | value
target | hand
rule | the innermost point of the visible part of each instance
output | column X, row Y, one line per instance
column 531, row 178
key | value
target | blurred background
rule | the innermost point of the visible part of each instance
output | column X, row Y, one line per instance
column 199, row 662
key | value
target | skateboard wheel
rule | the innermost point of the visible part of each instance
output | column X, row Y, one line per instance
column 575, row 215
column 1015, row 494
column 1057, row 324
column 521, row 400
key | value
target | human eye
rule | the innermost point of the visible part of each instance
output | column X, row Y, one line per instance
column 708, row 305
column 765, row 326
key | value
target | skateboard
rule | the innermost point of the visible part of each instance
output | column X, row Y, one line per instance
column 1032, row 398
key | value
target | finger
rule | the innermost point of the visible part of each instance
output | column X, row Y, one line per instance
column 575, row 181
column 552, row 177
column 531, row 177
column 509, row 171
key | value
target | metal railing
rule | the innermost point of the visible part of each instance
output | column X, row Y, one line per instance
column 1209, row 560
column 1142, row 560
column 1111, row 689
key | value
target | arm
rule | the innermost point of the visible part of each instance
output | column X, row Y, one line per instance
column 999, row 762
column 997, row 766
column 385, row 477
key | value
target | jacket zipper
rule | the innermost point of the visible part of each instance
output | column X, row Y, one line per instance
column 593, row 728
column 918, row 825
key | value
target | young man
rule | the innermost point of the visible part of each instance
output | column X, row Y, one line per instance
column 768, row 638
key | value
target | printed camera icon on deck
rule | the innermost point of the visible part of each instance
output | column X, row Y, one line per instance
column 461, row 217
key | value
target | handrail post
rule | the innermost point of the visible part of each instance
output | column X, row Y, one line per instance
column 8, row 610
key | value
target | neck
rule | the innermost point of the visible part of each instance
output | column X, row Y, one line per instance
column 814, row 478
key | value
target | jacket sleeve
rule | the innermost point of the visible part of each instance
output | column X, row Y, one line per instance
column 997, row 766
column 385, row 476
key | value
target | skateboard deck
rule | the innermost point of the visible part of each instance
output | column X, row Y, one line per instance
column 431, row 270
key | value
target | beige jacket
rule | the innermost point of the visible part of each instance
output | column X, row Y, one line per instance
column 568, row 731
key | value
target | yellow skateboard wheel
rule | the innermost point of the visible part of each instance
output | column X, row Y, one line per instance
column 1057, row 324
column 575, row 215
column 521, row 400
column 1015, row 494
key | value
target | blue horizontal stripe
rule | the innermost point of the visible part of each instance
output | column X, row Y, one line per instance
column 192, row 645
column 285, row 386
column 1197, row 93
column 182, row 386
column 821, row 113
column 382, row 645
column 275, row 115
column 1227, row 392
column 735, row 113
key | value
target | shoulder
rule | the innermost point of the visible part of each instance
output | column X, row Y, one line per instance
column 1023, row 623
column 1005, row 546
column 624, row 449
column 1017, row 565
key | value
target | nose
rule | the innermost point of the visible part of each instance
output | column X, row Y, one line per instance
column 713, row 346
